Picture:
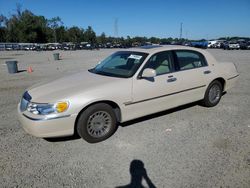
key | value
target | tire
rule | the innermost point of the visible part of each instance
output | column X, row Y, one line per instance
column 213, row 94
column 96, row 123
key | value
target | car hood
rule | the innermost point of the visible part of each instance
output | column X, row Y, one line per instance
column 65, row 87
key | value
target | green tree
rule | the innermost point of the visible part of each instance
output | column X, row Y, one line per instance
column 13, row 31
column 128, row 41
column 3, row 30
column 62, row 34
column 154, row 40
column 26, row 27
column 3, row 33
column 75, row 34
column 89, row 35
column 54, row 23
column 32, row 27
column 102, row 38
column 3, row 20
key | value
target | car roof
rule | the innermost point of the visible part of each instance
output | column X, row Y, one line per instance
column 160, row 48
column 150, row 49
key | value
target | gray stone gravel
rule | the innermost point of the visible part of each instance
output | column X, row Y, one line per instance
column 191, row 146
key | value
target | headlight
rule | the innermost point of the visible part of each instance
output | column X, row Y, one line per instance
column 45, row 109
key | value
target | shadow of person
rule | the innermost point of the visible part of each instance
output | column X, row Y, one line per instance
column 138, row 173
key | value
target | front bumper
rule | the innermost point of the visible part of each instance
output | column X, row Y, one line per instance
column 56, row 127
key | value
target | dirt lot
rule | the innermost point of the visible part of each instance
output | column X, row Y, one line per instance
column 191, row 146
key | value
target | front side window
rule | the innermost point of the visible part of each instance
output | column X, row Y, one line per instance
column 121, row 64
column 189, row 59
column 160, row 62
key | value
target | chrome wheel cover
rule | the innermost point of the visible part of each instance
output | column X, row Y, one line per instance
column 99, row 124
column 214, row 94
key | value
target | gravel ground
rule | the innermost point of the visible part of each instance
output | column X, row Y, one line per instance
column 190, row 146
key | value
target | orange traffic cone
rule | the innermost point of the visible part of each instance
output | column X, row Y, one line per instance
column 29, row 70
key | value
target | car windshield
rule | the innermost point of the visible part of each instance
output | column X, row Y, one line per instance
column 121, row 64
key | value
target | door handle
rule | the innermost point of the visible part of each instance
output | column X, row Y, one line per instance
column 207, row 72
column 171, row 79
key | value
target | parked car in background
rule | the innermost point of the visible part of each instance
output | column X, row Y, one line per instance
column 68, row 46
column 26, row 47
column 168, row 43
column 51, row 47
column 109, row 45
column 248, row 45
column 38, row 48
column 211, row 43
column 199, row 44
column 243, row 44
column 126, row 85
column 234, row 45
column 8, row 47
column 219, row 44
column 226, row 45
column 88, row 46
column 2, row 47
column 16, row 47
column 216, row 43
column 231, row 46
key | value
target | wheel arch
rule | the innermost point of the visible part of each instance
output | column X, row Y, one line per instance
column 114, row 105
column 222, row 81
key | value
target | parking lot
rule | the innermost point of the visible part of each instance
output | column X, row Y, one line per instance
column 191, row 146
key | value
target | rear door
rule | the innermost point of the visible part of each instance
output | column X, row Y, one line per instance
column 190, row 69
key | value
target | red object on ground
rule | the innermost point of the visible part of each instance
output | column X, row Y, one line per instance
column 29, row 70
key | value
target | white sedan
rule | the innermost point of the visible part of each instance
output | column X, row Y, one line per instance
column 126, row 85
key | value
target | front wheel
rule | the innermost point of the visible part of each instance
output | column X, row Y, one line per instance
column 96, row 123
column 213, row 94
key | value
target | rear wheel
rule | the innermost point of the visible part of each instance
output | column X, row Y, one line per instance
column 213, row 94
column 96, row 123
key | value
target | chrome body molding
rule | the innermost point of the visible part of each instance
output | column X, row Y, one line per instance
column 233, row 77
column 46, row 118
column 130, row 103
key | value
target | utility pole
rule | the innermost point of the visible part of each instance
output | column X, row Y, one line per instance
column 181, row 31
column 116, row 27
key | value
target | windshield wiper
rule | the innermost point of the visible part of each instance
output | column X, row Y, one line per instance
column 106, row 74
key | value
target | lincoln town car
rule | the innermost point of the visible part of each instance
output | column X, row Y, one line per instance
column 126, row 85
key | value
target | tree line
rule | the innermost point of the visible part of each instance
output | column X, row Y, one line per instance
column 26, row 27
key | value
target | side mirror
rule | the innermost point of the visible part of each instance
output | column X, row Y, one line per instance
column 148, row 73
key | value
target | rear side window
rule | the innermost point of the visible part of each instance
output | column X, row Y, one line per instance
column 186, row 59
